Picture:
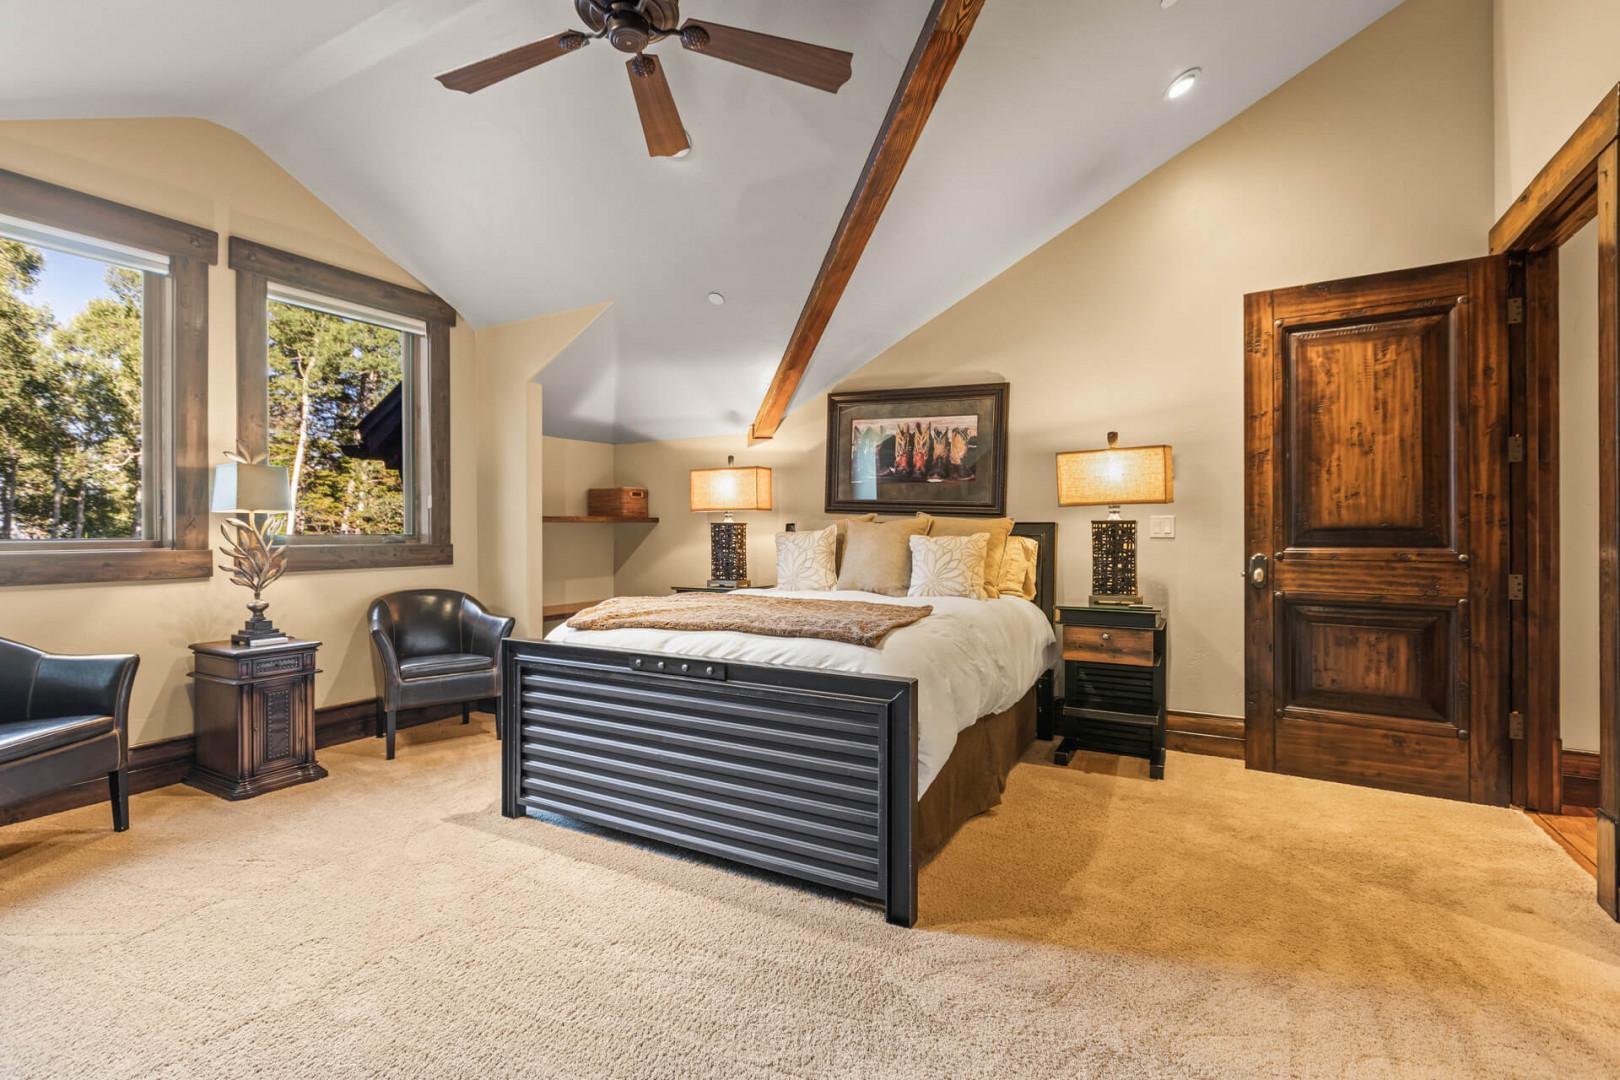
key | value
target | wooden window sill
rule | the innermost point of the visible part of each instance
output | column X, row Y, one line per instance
column 349, row 555
column 79, row 566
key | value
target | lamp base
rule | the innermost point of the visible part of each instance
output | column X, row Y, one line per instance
column 1113, row 562
column 728, row 553
column 258, row 630
column 1113, row 600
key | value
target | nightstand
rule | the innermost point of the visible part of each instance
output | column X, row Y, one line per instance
column 255, row 718
column 1114, row 661
column 700, row 588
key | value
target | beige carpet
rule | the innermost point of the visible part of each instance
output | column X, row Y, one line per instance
column 387, row 921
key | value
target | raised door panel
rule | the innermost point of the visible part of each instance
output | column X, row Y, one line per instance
column 1387, row 665
column 1371, row 407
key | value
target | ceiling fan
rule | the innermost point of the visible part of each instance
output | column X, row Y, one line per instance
column 632, row 25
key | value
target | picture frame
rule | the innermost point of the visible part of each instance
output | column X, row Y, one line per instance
column 936, row 449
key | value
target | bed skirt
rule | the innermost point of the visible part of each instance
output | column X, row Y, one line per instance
column 974, row 775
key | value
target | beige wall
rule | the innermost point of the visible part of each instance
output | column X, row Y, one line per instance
column 203, row 174
column 512, row 460
column 1578, row 491
column 579, row 558
column 1377, row 157
column 1554, row 60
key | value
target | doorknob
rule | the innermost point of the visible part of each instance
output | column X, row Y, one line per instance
column 1257, row 570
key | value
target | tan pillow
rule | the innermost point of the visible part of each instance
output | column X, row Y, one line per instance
column 1018, row 568
column 841, row 524
column 948, row 566
column 877, row 557
column 995, row 549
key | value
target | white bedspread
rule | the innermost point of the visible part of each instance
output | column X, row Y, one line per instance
column 970, row 658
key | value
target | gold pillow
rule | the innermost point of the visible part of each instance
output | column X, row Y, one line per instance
column 877, row 556
column 1018, row 568
column 995, row 550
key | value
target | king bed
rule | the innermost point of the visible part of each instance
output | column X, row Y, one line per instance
column 839, row 764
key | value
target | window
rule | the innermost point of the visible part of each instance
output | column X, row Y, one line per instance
column 103, row 379
column 343, row 380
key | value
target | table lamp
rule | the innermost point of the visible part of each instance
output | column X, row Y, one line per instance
column 261, row 492
column 726, row 491
column 1111, row 478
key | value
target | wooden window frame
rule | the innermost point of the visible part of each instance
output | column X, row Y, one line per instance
column 179, row 409
column 257, row 267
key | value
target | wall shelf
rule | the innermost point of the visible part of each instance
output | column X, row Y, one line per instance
column 565, row 611
column 596, row 519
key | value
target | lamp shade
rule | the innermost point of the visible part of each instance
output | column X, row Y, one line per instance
column 251, row 489
column 732, row 488
column 1115, row 476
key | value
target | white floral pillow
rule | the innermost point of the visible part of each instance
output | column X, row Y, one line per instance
column 807, row 560
column 948, row 565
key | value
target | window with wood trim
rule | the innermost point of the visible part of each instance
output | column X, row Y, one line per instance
column 343, row 380
column 103, row 389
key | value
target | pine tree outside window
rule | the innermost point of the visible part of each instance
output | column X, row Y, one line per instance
column 343, row 380
column 103, row 389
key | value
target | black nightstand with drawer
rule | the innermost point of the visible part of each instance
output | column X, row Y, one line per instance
column 1114, row 661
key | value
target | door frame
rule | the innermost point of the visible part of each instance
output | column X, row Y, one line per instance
column 1581, row 183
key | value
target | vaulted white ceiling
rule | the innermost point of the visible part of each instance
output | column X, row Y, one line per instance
column 537, row 195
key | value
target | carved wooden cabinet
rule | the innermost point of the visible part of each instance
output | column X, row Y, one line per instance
column 255, row 717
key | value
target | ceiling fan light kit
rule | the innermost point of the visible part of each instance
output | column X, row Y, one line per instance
column 630, row 26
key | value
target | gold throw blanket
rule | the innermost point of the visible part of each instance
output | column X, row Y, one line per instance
column 854, row 622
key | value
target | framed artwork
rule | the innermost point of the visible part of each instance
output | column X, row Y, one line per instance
column 942, row 450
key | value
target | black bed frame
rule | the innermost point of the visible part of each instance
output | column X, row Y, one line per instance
column 807, row 773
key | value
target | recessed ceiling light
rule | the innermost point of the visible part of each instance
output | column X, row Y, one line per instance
column 716, row 299
column 1167, row 3
column 1182, row 84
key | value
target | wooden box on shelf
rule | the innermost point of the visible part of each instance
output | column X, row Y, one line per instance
column 625, row 502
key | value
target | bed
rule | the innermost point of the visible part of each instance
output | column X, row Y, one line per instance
column 835, row 764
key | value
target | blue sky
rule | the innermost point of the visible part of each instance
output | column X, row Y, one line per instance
column 68, row 283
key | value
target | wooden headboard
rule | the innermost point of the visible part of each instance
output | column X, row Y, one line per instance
column 1043, row 533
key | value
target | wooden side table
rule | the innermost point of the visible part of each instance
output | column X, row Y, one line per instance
column 255, row 717
column 1114, row 664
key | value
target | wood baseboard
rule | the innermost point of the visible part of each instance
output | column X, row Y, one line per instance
column 1580, row 770
column 1205, row 733
column 158, row 764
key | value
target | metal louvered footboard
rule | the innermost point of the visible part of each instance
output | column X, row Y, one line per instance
column 811, row 774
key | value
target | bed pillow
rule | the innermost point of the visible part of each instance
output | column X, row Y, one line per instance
column 1018, row 567
column 842, row 525
column 995, row 550
column 807, row 560
column 877, row 557
column 948, row 565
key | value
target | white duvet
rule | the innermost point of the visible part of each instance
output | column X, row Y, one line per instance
column 970, row 658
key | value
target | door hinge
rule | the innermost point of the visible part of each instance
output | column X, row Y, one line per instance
column 1515, row 586
column 1515, row 449
column 1515, row 724
column 1515, row 310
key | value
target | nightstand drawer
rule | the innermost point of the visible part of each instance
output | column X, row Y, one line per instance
column 1106, row 645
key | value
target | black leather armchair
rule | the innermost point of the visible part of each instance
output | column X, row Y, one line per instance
column 63, row 720
column 434, row 647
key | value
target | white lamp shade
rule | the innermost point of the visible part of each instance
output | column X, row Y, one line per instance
column 251, row 489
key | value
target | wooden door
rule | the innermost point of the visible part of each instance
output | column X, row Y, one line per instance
column 1377, row 531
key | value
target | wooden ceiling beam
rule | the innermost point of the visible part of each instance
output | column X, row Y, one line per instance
column 944, row 33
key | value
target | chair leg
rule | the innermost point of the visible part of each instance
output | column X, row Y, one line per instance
column 379, row 720
column 393, row 723
column 466, row 712
column 118, row 791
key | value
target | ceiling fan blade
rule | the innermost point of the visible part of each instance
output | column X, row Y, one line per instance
column 660, row 120
column 813, row 65
column 488, row 72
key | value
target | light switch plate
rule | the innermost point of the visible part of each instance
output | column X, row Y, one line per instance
column 1162, row 527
